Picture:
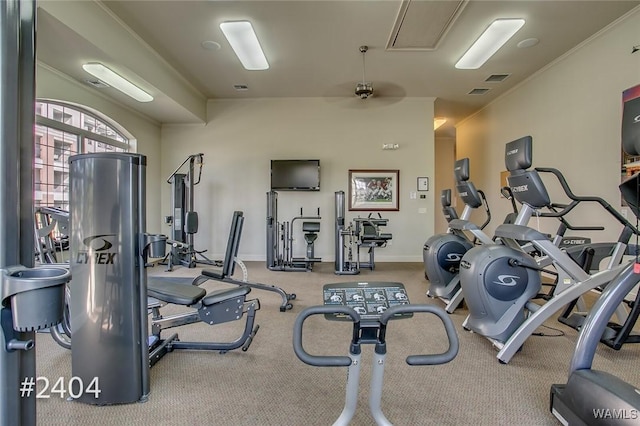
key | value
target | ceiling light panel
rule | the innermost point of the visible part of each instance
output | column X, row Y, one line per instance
column 491, row 40
column 245, row 44
column 116, row 81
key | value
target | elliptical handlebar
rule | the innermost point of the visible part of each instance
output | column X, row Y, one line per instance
column 324, row 360
column 575, row 200
column 431, row 359
column 486, row 209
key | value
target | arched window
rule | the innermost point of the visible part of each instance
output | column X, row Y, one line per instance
column 63, row 130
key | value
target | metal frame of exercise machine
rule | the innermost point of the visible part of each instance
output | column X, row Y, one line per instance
column 31, row 298
column 226, row 273
column 508, row 315
column 47, row 221
column 372, row 331
column 280, row 239
column 184, row 218
column 215, row 307
column 109, row 305
column 442, row 252
column 362, row 232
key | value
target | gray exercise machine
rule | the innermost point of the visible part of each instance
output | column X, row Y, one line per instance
column 500, row 282
column 369, row 328
column 442, row 253
column 31, row 298
column 184, row 218
column 594, row 397
column 280, row 239
column 109, row 301
column 51, row 234
column 215, row 307
column 350, row 238
column 226, row 273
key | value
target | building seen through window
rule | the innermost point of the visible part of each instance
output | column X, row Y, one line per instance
column 62, row 131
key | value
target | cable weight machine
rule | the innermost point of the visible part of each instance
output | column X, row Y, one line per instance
column 184, row 218
column 280, row 239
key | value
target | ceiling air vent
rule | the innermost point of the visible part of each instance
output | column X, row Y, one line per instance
column 241, row 87
column 478, row 91
column 421, row 25
column 497, row 78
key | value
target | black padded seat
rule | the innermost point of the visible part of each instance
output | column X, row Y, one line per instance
column 218, row 296
column 171, row 291
column 371, row 236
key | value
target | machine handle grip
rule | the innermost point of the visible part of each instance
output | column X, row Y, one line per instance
column 452, row 336
column 322, row 360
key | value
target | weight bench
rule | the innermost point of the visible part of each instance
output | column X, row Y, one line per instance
column 215, row 307
column 226, row 273
column 212, row 308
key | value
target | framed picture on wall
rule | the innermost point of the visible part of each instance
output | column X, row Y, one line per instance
column 374, row 190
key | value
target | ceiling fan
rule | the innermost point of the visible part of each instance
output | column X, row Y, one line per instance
column 364, row 89
column 385, row 92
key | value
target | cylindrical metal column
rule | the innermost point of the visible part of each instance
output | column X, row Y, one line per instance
column 17, row 70
column 272, row 225
column 108, row 297
column 339, row 247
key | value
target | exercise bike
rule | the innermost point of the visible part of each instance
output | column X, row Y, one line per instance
column 369, row 327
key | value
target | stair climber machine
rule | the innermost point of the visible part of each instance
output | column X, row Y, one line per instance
column 500, row 281
column 280, row 239
column 442, row 252
column 592, row 396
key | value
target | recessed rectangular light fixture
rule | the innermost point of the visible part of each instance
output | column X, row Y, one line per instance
column 245, row 44
column 116, row 81
column 492, row 39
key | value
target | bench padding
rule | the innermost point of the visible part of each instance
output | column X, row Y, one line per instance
column 175, row 292
column 218, row 296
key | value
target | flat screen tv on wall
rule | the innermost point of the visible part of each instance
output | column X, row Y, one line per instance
column 295, row 175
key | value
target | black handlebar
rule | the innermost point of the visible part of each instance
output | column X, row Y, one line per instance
column 431, row 359
column 323, row 360
column 486, row 209
column 575, row 199
column 345, row 361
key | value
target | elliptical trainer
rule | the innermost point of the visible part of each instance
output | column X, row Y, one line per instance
column 588, row 390
column 499, row 282
column 442, row 252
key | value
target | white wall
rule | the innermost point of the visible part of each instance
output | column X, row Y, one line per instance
column 445, row 155
column 52, row 85
column 242, row 136
column 573, row 111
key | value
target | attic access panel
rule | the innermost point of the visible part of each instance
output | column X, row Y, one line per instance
column 421, row 25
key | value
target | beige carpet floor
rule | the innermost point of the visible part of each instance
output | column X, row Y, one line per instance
column 268, row 385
